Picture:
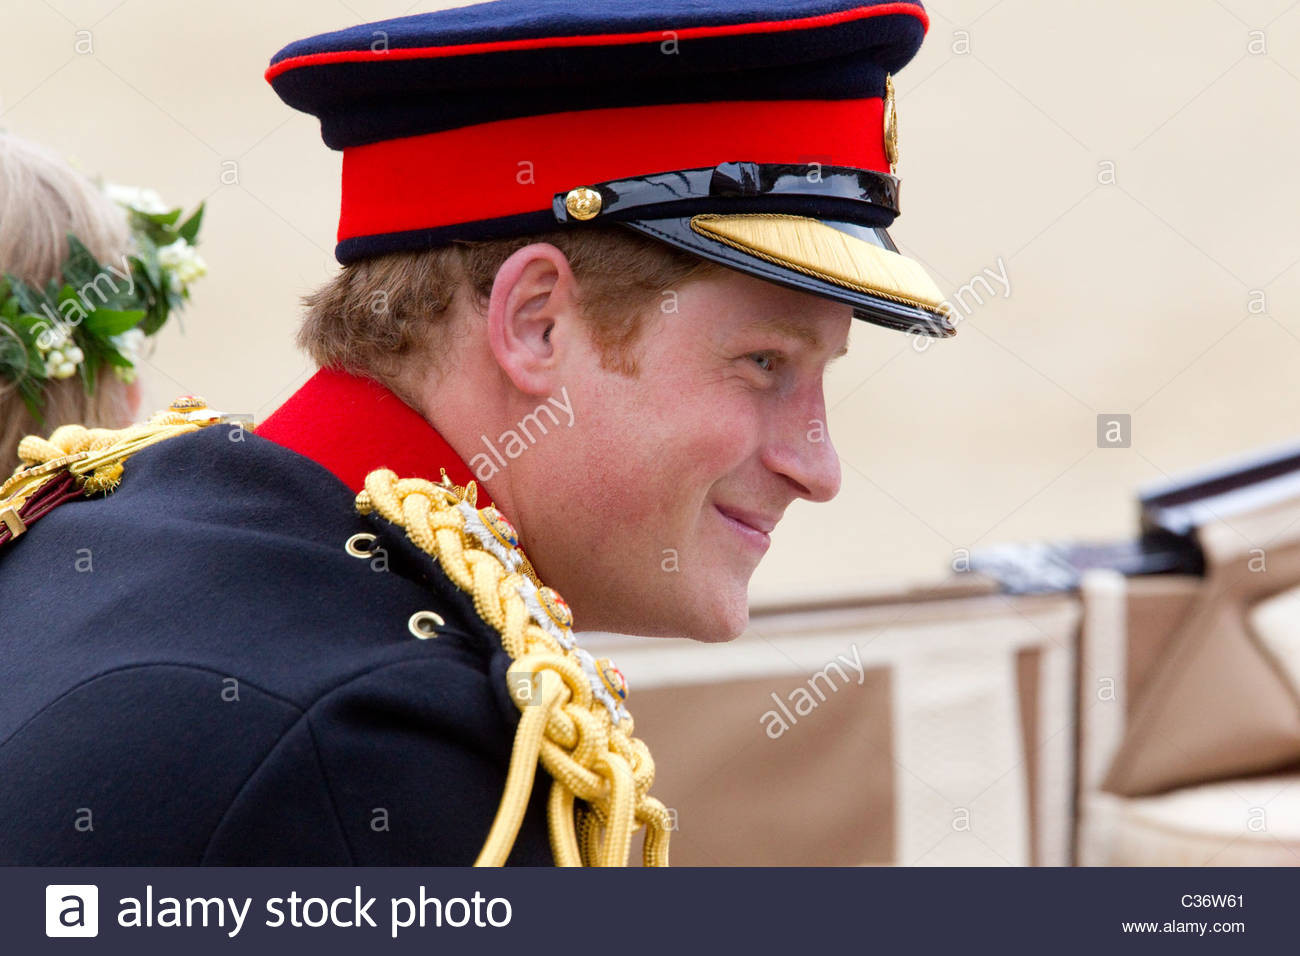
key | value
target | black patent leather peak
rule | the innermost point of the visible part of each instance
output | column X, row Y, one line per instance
column 876, row 193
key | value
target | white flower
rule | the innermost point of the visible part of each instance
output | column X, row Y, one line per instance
column 183, row 263
column 61, row 360
column 134, row 197
column 58, row 366
column 53, row 338
column 130, row 343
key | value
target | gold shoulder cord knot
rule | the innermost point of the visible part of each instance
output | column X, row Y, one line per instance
column 572, row 718
column 94, row 456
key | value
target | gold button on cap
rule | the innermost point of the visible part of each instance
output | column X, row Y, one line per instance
column 583, row 203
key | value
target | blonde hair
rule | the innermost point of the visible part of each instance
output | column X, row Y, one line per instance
column 42, row 199
column 382, row 317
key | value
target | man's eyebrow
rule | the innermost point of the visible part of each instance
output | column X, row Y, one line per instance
column 798, row 330
column 792, row 329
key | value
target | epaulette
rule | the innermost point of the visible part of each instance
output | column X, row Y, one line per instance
column 80, row 462
column 574, row 720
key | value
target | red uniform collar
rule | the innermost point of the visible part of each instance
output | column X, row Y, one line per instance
column 352, row 425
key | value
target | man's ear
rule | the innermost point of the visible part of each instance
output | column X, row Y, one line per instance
column 532, row 316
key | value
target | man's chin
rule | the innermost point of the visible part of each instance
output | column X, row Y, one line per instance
column 718, row 614
column 720, row 621
column 708, row 628
column 720, row 635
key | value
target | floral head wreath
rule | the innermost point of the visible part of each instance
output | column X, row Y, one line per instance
column 100, row 313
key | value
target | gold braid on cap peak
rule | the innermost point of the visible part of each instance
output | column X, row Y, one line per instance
column 572, row 718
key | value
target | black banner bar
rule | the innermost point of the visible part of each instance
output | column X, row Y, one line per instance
column 141, row 910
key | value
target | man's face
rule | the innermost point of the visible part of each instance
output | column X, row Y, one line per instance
column 657, row 504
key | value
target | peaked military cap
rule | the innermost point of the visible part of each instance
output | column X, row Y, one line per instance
column 760, row 134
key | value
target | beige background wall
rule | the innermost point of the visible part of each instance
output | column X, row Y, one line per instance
column 1126, row 297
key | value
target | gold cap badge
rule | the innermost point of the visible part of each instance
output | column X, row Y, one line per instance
column 891, row 123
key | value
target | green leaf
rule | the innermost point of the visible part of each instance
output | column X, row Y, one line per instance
column 13, row 355
column 103, row 322
column 189, row 229
column 29, row 299
column 81, row 266
column 160, row 218
column 119, row 301
column 158, row 313
column 71, row 309
column 88, row 369
column 113, row 357
column 148, row 260
column 29, row 322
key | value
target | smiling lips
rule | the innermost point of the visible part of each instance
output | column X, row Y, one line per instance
column 754, row 528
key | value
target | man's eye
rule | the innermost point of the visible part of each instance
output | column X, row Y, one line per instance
column 764, row 360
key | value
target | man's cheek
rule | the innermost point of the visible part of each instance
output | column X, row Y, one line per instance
column 717, row 448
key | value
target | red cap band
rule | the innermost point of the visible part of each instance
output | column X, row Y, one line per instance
column 515, row 166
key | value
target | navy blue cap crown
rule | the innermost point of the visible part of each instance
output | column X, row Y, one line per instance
column 490, row 61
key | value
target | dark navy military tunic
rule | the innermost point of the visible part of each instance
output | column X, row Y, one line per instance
column 193, row 670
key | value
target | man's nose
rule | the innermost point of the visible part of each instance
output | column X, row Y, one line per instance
column 803, row 453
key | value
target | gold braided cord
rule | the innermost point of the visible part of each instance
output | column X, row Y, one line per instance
column 590, row 756
column 559, row 822
column 658, row 826
column 589, row 827
column 523, row 770
column 618, row 829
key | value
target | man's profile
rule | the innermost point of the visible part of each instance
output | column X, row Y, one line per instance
column 595, row 264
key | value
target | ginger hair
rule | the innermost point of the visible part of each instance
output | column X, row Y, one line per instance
column 380, row 316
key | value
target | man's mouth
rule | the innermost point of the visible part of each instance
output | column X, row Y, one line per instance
column 754, row 528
